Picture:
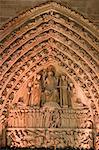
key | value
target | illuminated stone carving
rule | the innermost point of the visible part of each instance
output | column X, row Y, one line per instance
column 29, row 89
column 48, row 138
column 49, row 118
column 34, row 92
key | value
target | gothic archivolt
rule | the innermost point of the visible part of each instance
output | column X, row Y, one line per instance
column 49, row 35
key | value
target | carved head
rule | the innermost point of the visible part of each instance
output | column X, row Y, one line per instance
column 38, row 76
column 50, row 73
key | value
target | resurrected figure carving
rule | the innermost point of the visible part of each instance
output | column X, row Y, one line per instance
column 51, row 93
column 34, row 91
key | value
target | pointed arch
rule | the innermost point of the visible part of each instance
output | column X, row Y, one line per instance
column 49, row 32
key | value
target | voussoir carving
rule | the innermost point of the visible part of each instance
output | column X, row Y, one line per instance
column 49, row 79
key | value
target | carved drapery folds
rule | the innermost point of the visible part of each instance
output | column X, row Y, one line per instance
column 49, row 117
column 46, row 107
column 34, row 91
column 47, row 86
column 50, row 126
column 50, row 34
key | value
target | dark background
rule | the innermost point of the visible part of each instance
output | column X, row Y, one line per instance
column 10, row 8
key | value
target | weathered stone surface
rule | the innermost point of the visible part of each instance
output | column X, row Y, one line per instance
column 49, row 76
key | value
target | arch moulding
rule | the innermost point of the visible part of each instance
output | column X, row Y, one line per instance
column 49, row 38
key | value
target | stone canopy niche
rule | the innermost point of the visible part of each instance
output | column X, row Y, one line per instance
column 49, row 79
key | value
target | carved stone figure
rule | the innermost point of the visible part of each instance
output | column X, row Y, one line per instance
column 51, row 93
column 35, row 92
column 65, row 91
column 69, row 93
column 72, row 46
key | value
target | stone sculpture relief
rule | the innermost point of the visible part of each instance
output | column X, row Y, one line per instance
column 34, row 92
column 49, row 107
column 24, row 50
column 49, row 138
column 59, row 137
column 48, row 86
column 51, row 119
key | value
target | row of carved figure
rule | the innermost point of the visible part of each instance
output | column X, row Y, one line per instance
column 94, row 78
column 48, row 87
column 72, row 43
column 49, row 117
column 69, row 61
column 71, row 24
column 48, row 138
column 16, row 49
column 81, row 73
column 72, row 36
